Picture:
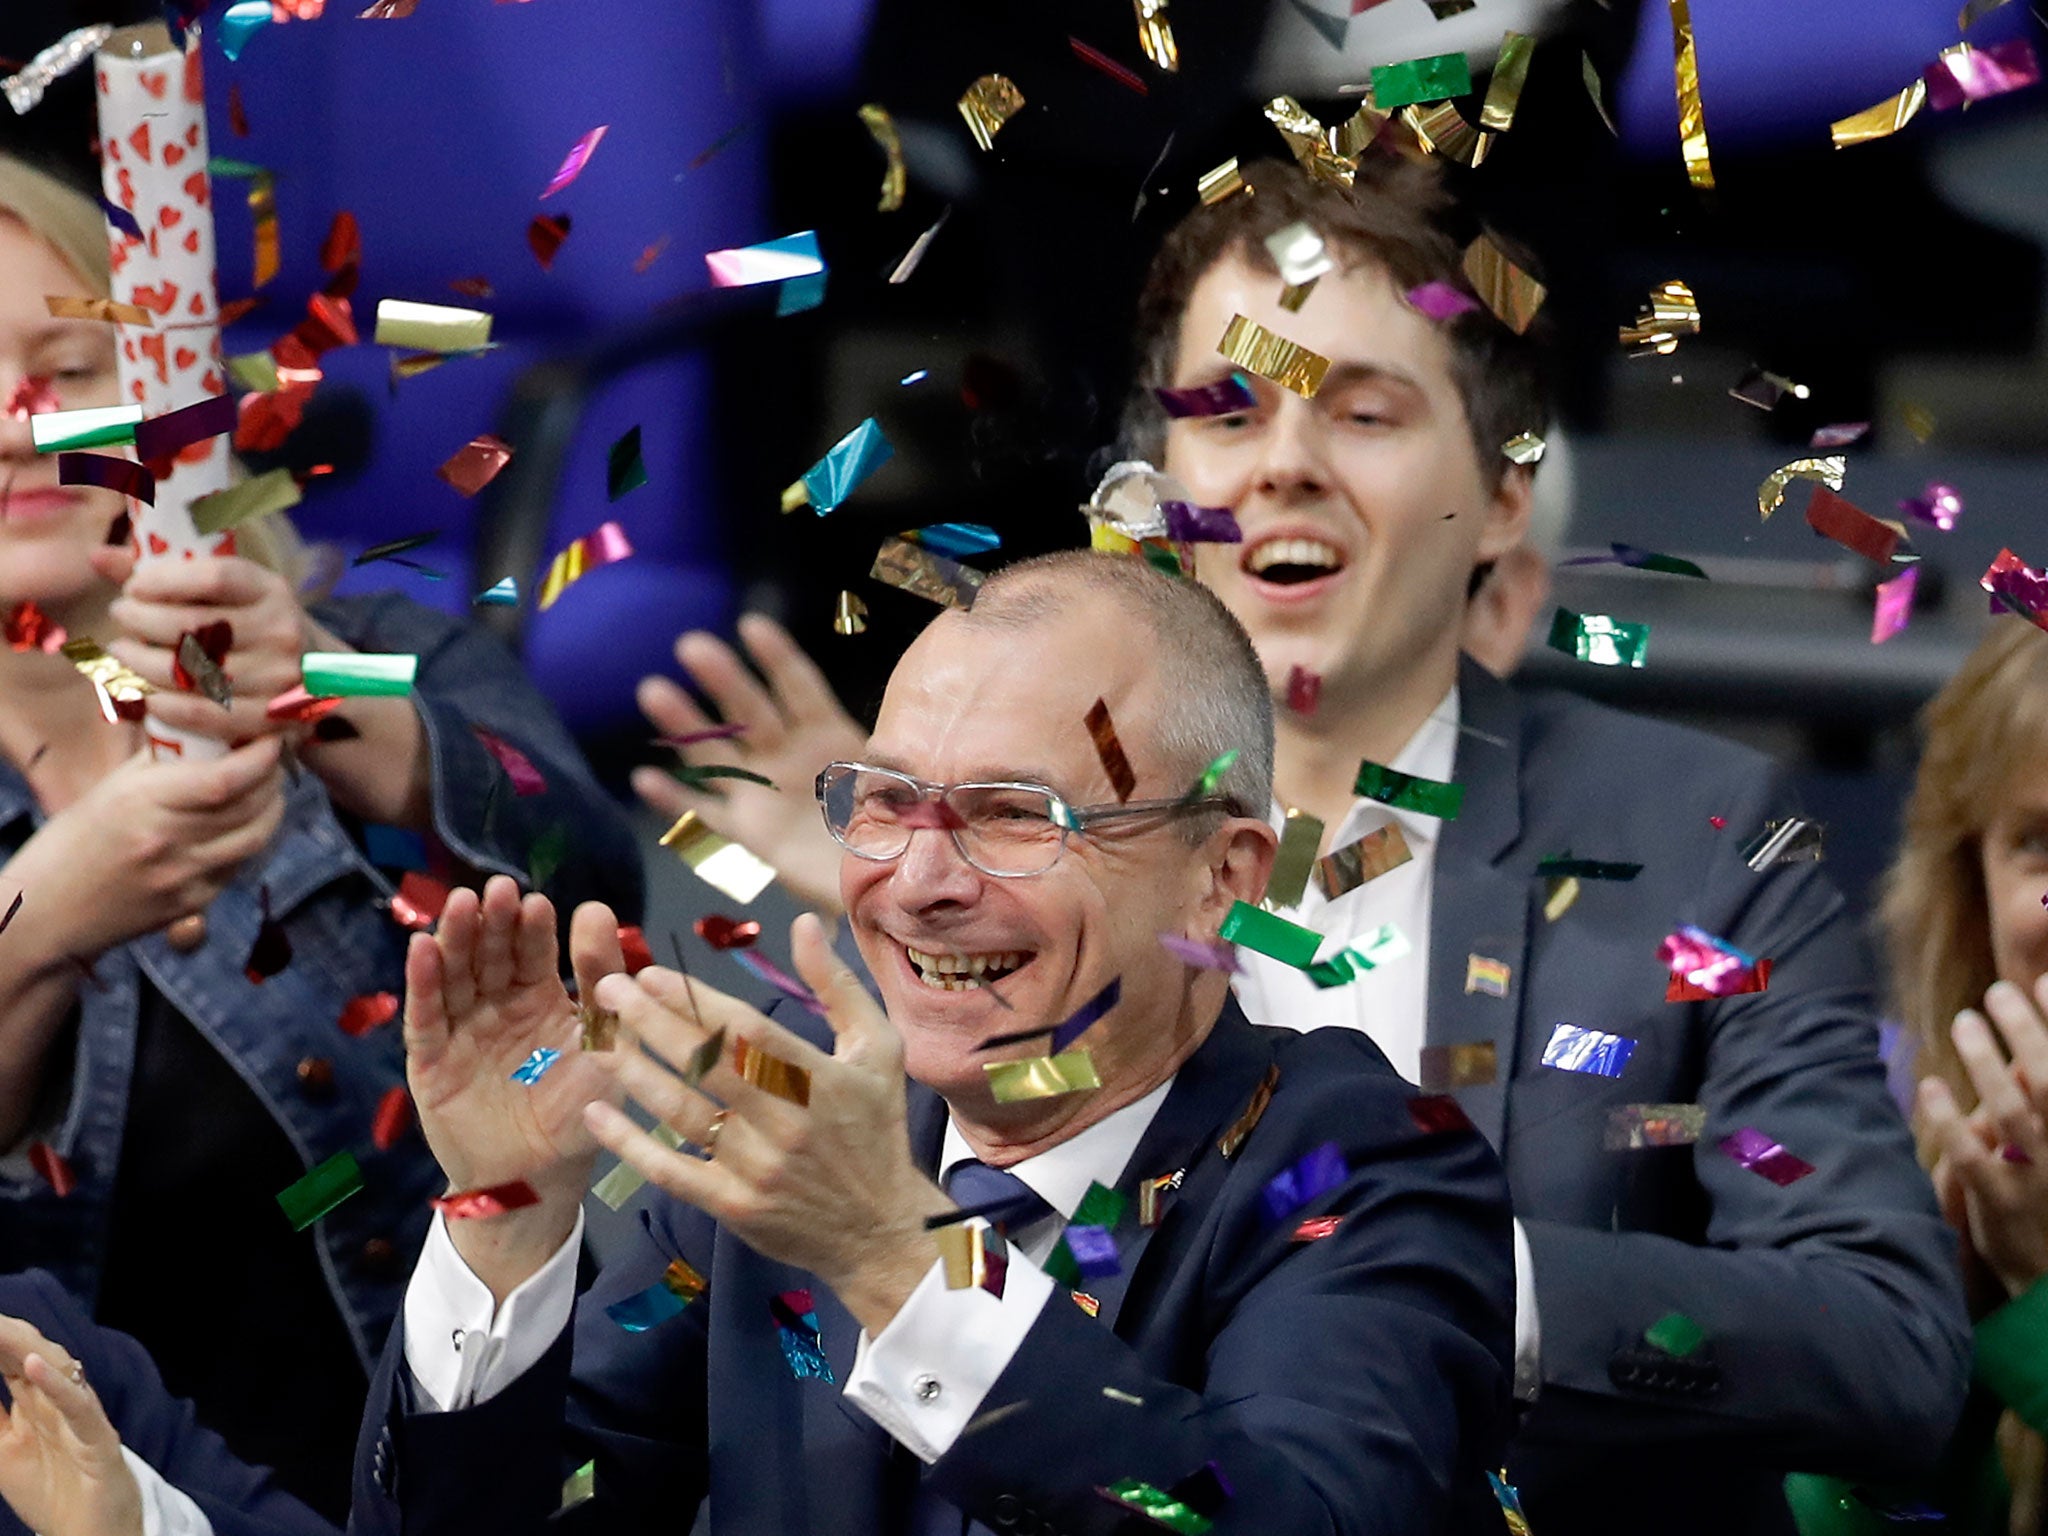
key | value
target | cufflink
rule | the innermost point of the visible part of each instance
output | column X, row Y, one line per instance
column 926, row 1387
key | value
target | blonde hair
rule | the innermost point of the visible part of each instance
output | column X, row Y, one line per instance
column 71, row 225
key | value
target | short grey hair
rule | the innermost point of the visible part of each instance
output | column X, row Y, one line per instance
column 1223, row 702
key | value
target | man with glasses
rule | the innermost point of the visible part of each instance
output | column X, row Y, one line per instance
column 1113, row 1250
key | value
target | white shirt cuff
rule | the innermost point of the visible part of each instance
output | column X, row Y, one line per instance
column 460, row 1353
column 1528, row 1326
column 166, row 1511
column 924, row 1376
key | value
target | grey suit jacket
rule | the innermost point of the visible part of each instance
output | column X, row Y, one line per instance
column 1835, row 1331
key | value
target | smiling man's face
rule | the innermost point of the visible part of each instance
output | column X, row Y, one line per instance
column 1364, row 509
column 975, row 702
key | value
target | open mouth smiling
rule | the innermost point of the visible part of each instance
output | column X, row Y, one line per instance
column 1290, row 562
column 961, row 972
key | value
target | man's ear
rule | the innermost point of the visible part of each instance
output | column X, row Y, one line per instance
column 1239, row 863
column 1505, row 609
column 1507, row 513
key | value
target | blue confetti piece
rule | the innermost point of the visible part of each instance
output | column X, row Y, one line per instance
column 535, row 1066
column 805, row 1355
column 1316, row 1174
column 1094, row 1251
column 394, row 847
column 849, row 461
column 240, row 22
column 501, row 594
column 959, row 539
column 118, row 216
column 800, row 294
column 645, row 1309
column 1574, row 1048
column 914, row 378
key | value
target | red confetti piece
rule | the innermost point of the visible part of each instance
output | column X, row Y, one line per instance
column 1086, row 1302
column 1436, row 1112
column 1315, row 1227
column 295, row 706
column 472, row 287
column 214, row 641
column 35, row 395
column 238, row 114
column 1304, row 690
column 1850, row 526
column 476, row 463
column 470, row 1204
column 28, row 628
column 574, row 162
column 691, row 738
column 393, row 1118
column 1682, row 991
column 544, row 237
column 343, row 246
column 1107, row 65
column 633, row 949
column 526, row 779
column 651, row 255
column 52, row 1167
column 371, row 1010
column 726, row 932
column 1718, row 823
column 419, row 900
column 234, row 309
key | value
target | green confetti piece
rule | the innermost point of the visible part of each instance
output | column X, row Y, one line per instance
column 1273, row 937
column 1100, row 1207
column 624, row 1180
column 1384, row 943
column 700, row 777
column 1676, row 1334
column 254, row 370
column 1166, row 561
column 1437, row 78
column 272, row 491
column 356, row 674
column 625, row 470
column 1407, row 792
column 1670, row 565
column 549, row 849
column 100, row 426
column 1211, row 776
column 1600, row 639
column 1158, row 1506
column 580, row 1486
column 321, row 1190
column 1560, row 865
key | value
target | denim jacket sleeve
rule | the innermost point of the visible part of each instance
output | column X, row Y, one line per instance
column 468, row 686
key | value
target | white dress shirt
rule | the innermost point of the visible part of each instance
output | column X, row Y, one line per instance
column 922, row 1378
column 1391, row 1002
column 166, row 1511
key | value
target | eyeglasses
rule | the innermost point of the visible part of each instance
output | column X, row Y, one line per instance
column 1008, row 830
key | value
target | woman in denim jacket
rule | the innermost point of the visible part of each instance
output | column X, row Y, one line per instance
column 190, row 1013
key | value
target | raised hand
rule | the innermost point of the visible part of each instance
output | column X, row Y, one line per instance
column 794, row 726
column 61, row 1468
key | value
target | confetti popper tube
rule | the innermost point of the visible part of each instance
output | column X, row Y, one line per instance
column 151, row 102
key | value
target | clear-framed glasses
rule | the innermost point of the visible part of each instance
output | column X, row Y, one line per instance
column 1005, row 829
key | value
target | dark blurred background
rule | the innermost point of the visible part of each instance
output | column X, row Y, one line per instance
column 1898, row 280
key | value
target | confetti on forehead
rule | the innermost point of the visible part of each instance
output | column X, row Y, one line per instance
column 1274, row 358
column 1116, row 766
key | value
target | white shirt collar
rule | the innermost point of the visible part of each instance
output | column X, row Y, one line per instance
column 1061, row 1174
column 1430, row 753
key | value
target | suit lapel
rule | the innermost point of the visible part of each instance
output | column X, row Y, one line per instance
column 1480, row 909
column 1211, row 1090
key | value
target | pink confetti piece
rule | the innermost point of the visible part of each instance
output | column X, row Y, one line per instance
column 1209, row 955
column 1759, row 1154
column 1965, row 74
column 1695, row 956
column 1839, row 435
column 691, row 738
column 526, row 779
column 1894, row 605
column 1939, row 506
column 577, row 158
column 2017, row 586
column 1440, row 301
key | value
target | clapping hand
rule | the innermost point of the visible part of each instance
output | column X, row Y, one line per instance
column 61, row 1468
column 794, row 726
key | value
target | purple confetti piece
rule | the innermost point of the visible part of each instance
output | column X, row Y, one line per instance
column 1838, row 434
column 1094, row 1252
column 1190, row 524
column 1574, row 1048
column 1440, row 301
column 1203, row 955
column 159, row 437
column 119, row 217
column 1758, row 1153
column 1315, row 1174
column 573, row 163
column 1232, row 395
column 1084, row 1016
column 776, row 977
column 103, row 469
column 1894, row 605
column 1976, row 74
column 1939, row 505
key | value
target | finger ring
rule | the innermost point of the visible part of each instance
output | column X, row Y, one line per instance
column 712, row 1133
column 78, row 1373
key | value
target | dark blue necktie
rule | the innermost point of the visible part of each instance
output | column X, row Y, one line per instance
column 1007, row 1201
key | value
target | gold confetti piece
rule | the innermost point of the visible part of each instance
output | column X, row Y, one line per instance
column 1470, row 1064
column 852, row 617
column 1370, row 857
column 1524, row 448
column 883, row 128
column 272, row 491
column 1975, row 11
column 1770, row 494
column 1311, row 143
column 1350, row 137
column 121, row 692
column 67, row 306
column 1692, row 117
column 923, row 573
column 1671, row 314
column 1512, row 294
column 795, row 494
column 1296, row 295
column 1300, row 836
column 1591, row 77
column 988, row 104
column 600, row 1026
column 719, row 862
column 1882, row 120
column 1042, row 1077
column 1562, row 894
column 1232, row 1141
column 1215, row 185
column 1918, row 419
column 974, row 1257
column 771, row 1074
column 1257, row 350
column 1442, row 130
column 431, row 327
column 255, row 371
column 1155, row 34
column 1510, row 74
column 1116, row 766
column 580, row 1486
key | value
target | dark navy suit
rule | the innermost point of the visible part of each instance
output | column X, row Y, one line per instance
column 1835, row 1333
column 1355, row 1385
column 239, row 1499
